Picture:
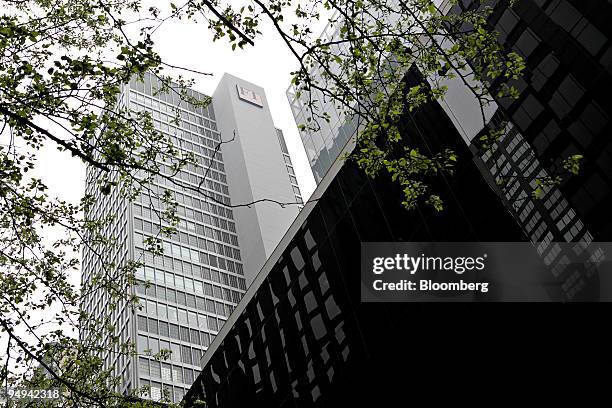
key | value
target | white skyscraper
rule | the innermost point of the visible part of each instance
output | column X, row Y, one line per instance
column 219, row 248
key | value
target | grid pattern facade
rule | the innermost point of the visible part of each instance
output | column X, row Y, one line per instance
column 514, row 166
column 326, row 138
column 560, row 112
column 197, row 282
column 564, row 104
column 324, row 144
column 97, row 302
column 546, row 220
column 290, row 171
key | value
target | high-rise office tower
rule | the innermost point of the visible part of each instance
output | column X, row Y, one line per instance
column 561, row 111
column 205, row 267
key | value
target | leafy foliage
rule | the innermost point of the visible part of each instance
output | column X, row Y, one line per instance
column 357, row 68
column 62, row 67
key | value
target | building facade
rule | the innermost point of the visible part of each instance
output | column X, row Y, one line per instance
column 256, row 168
column 186, row 294
column 323, row 145
column 561, row 112
column 290, row 170
column 563, row 108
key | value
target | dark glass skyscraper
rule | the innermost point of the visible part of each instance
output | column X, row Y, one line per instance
column 301, row 337
column 564, row 107
column 563, row 110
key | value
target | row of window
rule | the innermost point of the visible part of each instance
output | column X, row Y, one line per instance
column 210, row 220
column 182, row 198
column 200, row 304
column 189, row 254
column 199, row 184
column 566, row 222
column 179, row 135
column 192, row 285
column 150, row 93
column 152, row 202
column 203, row 155
column 155, row 391
column 202, row 152
column 173, row 248
column 190, row 269
column 196, row 271
column 152, row 212
column 177, row 265
column 183, row 237
column 168, row 114
column 191, row 300
column 168, row 373
column 173, row 331
column 178, row 352
column 207, row 165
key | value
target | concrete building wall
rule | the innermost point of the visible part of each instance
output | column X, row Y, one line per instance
column 255, row 169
